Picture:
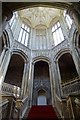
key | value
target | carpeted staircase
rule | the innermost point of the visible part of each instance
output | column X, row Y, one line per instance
column 42, row 113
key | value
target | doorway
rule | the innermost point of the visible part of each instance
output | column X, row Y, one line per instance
column 41, row 100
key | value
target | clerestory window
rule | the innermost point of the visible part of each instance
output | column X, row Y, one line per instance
column 57, row 34
column 24, row 34
column 68, row 19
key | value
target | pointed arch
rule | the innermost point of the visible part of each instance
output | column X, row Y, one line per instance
column 21, row 53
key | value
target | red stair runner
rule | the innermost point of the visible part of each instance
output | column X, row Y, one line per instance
column 42, row 113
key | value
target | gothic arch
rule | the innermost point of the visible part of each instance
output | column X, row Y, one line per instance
column 15, row 70
column 61, row 52
column 4, row 43
column 44, row 88
column 6, row 39
column 41, row 58
column 41, row 78
column 41, row 88
column 67, row 68
column 21, row 53
column 76, row 39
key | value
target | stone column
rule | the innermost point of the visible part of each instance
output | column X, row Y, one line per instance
column 75, row 16
column 30, row 81
column 23, row 80
column 26, row 79
column 58, row 79
column 51, row 84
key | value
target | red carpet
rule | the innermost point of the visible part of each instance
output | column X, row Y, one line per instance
column 42, row 113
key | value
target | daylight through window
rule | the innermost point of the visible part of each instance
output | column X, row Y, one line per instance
column 24, row 34
column 57, row 34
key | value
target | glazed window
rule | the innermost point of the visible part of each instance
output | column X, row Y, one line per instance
column 24, row 34
column 57, row 34
column 68, row 19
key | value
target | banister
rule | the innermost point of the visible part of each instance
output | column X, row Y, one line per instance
column 22, row 106
column 25, row 99
column 60, row 99
column 71, row 81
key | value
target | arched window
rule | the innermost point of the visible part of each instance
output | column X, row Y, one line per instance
column 41, row 42
column 68, row 19
column 24, row 34
column 57, row 33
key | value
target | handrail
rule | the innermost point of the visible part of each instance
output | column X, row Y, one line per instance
column 25, row 106
column 25, row 99
column 11, row 89
column 22, row 106
column 60, row 99
column 71, row 82
column 60, row 104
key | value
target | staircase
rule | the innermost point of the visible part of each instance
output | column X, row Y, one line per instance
column 42, row 113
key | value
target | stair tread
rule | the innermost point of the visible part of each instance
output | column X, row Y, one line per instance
column 42, row 112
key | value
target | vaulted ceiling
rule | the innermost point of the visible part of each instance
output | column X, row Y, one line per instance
column 39, row 15
column 62, row 4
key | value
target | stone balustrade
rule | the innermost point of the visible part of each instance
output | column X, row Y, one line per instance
column 61, row 106
column 11, row 89
column 21, row 107
column 71, row 87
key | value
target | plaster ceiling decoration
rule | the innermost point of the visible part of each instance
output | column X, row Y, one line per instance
column 40, row 15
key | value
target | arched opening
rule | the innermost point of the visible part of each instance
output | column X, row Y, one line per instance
column 79, row 41
column 76, row 39
column 41, row 70
column 67, row 68
column 15, row 71
column 41, row 81
column 41, row 100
